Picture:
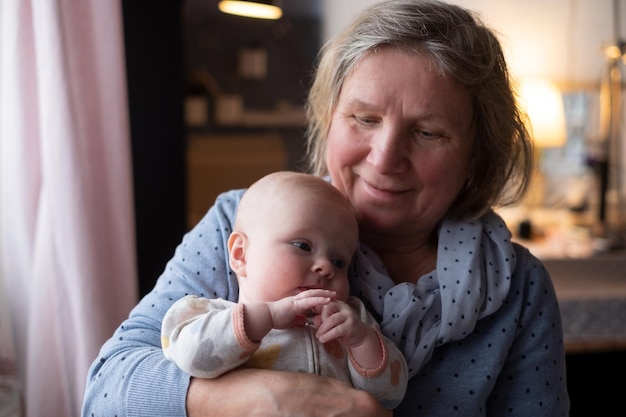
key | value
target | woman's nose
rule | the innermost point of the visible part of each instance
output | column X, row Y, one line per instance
column 388, row 151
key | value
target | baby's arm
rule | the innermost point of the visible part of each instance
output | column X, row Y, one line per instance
column 199, row 335
column 261, row 317
column 207, row 338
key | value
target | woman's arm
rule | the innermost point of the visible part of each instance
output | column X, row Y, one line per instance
column 532, row 380
column 131, row 377
column 245, row 392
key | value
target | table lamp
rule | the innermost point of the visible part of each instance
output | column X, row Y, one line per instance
column 543, row 103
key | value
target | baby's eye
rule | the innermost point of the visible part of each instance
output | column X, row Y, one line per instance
column 302, row 245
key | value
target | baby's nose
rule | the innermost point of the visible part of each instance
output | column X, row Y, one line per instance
column 324, row 268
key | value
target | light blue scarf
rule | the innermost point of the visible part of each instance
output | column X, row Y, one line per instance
column 475, row 260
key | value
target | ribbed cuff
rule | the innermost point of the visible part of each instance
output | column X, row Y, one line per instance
column 157, row 388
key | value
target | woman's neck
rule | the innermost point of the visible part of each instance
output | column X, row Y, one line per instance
column 406, row 260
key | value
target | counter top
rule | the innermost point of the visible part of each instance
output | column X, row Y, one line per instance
column 592, row 299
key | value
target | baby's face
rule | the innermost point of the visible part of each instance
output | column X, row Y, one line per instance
column 307, row 243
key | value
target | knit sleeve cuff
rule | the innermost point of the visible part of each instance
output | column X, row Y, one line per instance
column 157, row 388
column 240, row 330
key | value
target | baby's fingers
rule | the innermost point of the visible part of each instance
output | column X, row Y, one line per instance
column 310, row 304
column 317, row 292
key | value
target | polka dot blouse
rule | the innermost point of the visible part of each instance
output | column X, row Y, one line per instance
column 481, row 333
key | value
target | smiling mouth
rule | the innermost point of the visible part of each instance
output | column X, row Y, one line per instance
column 384, row 190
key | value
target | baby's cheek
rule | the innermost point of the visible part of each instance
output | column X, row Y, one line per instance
column 342, row 288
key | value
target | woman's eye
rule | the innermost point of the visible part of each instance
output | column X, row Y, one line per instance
column 302, row 246
column 365, row 120
column 426, row 134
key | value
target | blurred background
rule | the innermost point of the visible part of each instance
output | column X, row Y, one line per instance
column 184, row 101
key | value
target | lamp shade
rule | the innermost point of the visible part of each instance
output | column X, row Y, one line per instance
column 258, row 9
column 543, row 103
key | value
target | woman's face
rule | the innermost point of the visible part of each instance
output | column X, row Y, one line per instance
column 399, row 143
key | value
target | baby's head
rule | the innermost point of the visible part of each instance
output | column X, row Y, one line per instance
column 293, row 231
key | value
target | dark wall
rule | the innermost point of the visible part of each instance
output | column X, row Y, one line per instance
column 154, row 61
column 165, row 42
column 212, row 42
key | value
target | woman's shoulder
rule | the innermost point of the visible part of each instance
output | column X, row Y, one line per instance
column 228, row 201
column 531, row 279
column 528, row 265
column 221, row 214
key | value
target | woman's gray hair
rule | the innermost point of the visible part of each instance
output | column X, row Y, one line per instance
column 461, row 48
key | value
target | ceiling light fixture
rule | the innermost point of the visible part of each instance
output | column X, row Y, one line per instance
column 258, row 9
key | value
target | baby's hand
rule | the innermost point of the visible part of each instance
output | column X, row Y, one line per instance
column 338, row 320
column 293, row 311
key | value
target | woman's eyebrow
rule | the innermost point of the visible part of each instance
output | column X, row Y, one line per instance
column 357, row 102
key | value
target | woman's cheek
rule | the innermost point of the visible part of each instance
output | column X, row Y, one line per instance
column 344, row 146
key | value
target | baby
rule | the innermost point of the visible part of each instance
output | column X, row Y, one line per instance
column 292, row 242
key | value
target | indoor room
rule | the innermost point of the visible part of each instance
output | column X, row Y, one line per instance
column 121, row 123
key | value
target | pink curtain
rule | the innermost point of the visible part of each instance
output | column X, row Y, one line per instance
column 67, row 248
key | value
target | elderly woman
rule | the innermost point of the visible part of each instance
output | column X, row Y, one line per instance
column 414, row 119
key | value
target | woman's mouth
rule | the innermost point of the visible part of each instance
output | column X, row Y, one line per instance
column 383, row 191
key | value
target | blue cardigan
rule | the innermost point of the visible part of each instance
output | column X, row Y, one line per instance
column 511, row 364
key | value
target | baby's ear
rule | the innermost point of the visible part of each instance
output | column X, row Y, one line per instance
column 237, row 252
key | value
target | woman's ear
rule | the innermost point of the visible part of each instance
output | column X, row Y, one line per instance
column 237, row 242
